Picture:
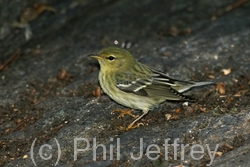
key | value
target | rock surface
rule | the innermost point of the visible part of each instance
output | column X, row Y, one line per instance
column 46, row 89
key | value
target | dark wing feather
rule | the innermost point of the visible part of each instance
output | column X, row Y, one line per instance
column 165, row 86
column 135, row 86
column 160, row 76
column 156, row 85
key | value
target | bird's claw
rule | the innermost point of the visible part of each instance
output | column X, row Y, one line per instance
column 124, row 112
column 134, row 126
column 131, row 126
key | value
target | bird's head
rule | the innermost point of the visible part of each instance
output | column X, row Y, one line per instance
column 114, row 59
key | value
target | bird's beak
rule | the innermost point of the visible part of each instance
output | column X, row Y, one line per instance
column 95, row 56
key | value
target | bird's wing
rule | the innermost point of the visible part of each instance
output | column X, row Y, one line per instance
column 178, row 85
column 165, row 86
column 153, row 85
column 134, row 84
column 162, row 77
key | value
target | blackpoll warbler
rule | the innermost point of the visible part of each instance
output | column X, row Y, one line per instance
column 136, row 85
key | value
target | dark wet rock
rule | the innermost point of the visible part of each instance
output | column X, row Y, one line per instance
column 177, row 37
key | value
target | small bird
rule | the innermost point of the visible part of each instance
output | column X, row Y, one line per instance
column 135, row 85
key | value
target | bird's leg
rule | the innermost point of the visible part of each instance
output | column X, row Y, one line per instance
column 124, row 112
column 131, row 126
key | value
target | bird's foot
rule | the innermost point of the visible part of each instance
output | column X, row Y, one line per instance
column 131, row 127
column 134, row 126
column 124, row 112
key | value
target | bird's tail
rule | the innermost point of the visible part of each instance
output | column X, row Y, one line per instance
column 185, row 86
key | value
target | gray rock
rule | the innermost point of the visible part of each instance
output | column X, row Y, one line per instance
column 59, row 114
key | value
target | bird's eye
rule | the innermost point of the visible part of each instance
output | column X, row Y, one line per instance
column 111, row 58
